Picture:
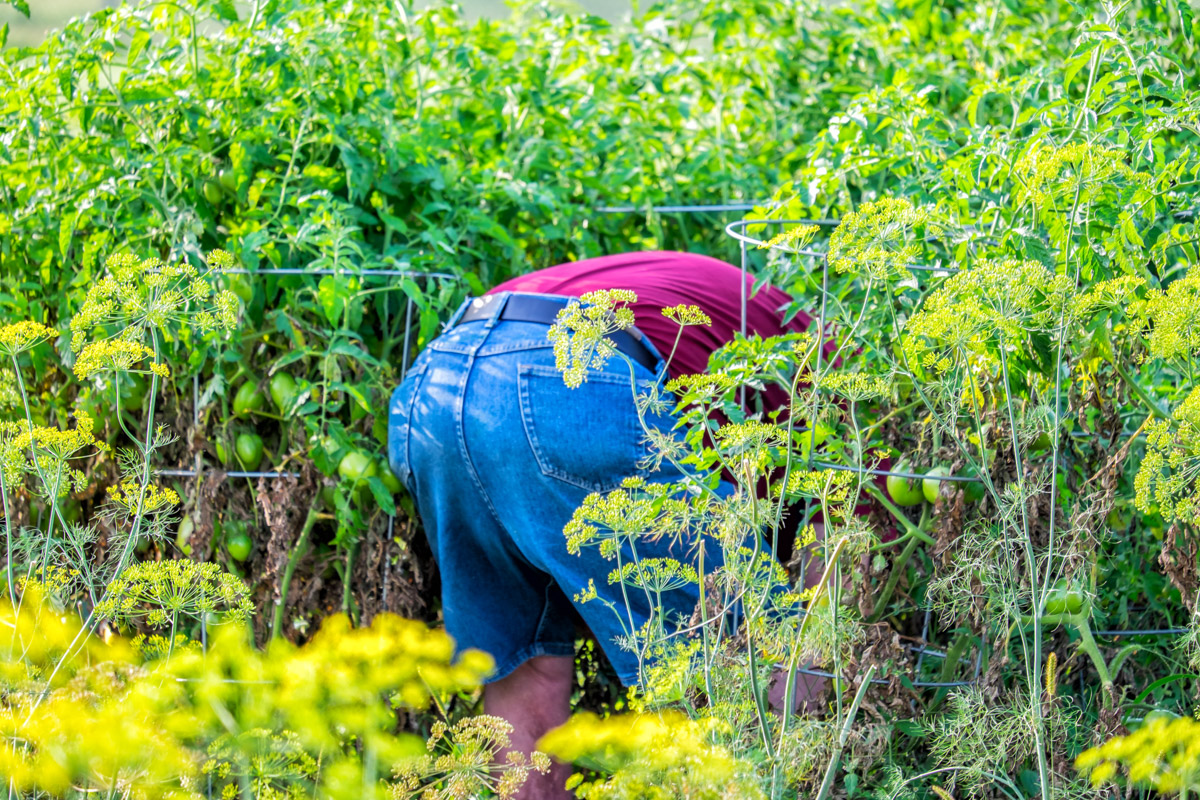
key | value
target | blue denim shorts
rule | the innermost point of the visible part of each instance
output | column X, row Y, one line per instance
column 498, row 453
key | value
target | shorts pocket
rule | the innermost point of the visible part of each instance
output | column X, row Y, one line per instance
column 589, row 437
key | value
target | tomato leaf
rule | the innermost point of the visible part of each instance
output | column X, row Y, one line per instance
column 382, row 496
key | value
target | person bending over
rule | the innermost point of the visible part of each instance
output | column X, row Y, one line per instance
column 498, row 453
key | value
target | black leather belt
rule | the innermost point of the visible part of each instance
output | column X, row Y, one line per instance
column 544, row 309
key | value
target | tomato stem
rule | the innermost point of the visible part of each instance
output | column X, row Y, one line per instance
column 297, row 553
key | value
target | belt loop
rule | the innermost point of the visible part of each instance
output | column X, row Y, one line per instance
column 457, row 315
column 496, row 310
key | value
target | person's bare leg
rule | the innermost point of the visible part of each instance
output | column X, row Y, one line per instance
column 809, row 689
column 534, row 698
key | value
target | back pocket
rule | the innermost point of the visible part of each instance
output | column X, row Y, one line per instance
column 589, row 437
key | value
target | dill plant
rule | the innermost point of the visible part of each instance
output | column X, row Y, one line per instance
column 1009, row 292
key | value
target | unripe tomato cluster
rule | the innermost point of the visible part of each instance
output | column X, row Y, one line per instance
column 906, row 492
column 355, row 467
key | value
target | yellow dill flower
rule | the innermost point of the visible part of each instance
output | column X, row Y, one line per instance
column 115, row 355
column 750, row 434
column 1173, row 318
column 856, row 386
column 274, row 765
column 59, row 442
column 880, row 239
column 1049, row 175
column 1163, row 754
column 1168, row 476
column 707, row 385
column 162, row 591
column 143, row 294
column 608, row 519
column 134, row 498
column 154, row 647
column 655, row 574
column 52, row 580
column 579, row 332
column 976, row 311
column 791, row 239
column 17, row 337
column 463, row 761
column 662, row 754
column 687, row 315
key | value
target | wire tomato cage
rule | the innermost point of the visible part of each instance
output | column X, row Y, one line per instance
column 199, row 467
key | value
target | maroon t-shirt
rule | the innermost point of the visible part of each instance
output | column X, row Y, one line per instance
column 662, row 280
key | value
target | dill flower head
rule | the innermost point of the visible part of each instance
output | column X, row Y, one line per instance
column 116, row 355
column 273, row 765
column 161, row 592
column 1172, row 318
column 579, row 332
column 976, row 311
column 660, row 754
column 462, row 761
column 47, row 452
column 145, row 294
column 17, row 337
column 655, row 574
column 1049, row 176
column 880, row 239
column 1168, row 477
column 132, row 498
column 856, row 386
column 608, row 519
column 792, row 239
column 687, row 315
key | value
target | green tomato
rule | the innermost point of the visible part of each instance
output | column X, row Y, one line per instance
column 904, row 492
column 283, row 390
column 328, row 494
column 237, row 541
column 974, row 490
column 242, row 288
column 1042, row 442
column 1063, row 600
column 389, row 479
column 228, row 180
column 184, row 533
column 931, row 484
column 212, row 193
column 248, row 399
column 356, row 466
column 222, row 452
column 249, row 450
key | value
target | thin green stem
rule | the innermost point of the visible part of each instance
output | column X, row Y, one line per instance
column 297, row 553
column 844, row 734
